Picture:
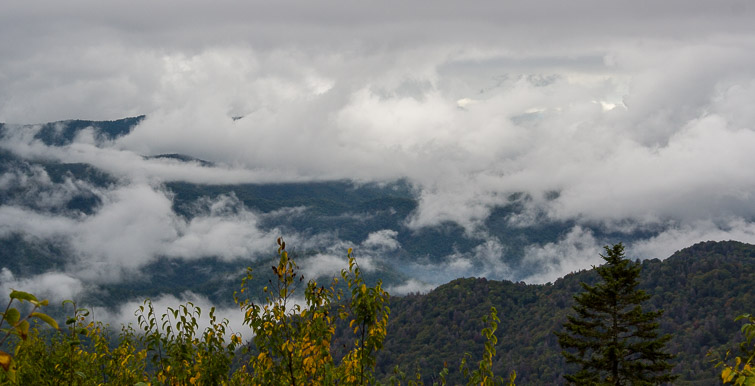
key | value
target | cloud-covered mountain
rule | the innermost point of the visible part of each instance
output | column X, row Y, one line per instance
column 501, row 140
column 83, row 217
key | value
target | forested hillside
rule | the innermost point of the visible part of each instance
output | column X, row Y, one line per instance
column 701, row 288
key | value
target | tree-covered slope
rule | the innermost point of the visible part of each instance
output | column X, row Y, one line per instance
column 701, row 289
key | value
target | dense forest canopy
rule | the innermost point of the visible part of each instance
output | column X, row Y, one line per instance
column 701, row 290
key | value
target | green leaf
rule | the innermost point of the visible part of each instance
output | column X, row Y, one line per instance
column 20, row 295
column 12, row 316
column 47, row 319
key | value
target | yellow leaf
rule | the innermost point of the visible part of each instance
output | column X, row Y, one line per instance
column 5, row 360
column 364, row 288
column 727, row 374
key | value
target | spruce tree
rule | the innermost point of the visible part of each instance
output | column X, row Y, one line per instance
column 611, row 338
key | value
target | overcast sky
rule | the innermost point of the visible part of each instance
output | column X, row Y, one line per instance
column 632, row 110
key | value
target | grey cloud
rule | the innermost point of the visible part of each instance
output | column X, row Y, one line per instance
column 464, row 162
column 84, row 59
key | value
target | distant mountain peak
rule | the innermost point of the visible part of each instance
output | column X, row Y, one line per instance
column 62, row 133
column 183, row 158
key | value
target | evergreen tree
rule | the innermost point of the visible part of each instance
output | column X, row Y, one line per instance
column 611, row 338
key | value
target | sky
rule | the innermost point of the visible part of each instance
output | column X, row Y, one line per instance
column 638, row 114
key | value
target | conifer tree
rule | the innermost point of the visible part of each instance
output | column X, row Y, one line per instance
column 611, row 338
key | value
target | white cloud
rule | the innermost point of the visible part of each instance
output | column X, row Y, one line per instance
column 132, row 166
column 20, row 220
column 330, row 264
column 126, row 313
column 643, row 161
column 491, row 253
column 127, row 232
column 31, row 185
column 54, row 286
column 485, row 260
column 411, row 286
column 322, row 265
column 227, row 230
column 136, row 225
column 681, row 236
column 382, row 239
column 577, row 250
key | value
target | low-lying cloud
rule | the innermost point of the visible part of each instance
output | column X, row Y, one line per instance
column 127, row 313
column 54, row 286
column 577, row 250
column 135, row 225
